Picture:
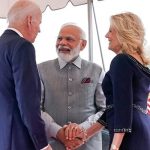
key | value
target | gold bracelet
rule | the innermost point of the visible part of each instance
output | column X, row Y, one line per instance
column 114, row 147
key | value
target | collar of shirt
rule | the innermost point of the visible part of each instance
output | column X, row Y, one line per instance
column 15, row 30
column 76, row 62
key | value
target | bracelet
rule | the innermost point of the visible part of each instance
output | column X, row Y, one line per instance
column 114, row 147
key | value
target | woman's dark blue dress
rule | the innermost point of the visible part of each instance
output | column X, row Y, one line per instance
column 126, row 86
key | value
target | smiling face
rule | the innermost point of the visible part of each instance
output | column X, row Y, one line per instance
column 114, row 43
column 69, row 43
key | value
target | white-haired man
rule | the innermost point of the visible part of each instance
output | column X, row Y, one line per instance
column 21, row 126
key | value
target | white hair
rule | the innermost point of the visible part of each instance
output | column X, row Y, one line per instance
column 20, row 9
column 82, row 32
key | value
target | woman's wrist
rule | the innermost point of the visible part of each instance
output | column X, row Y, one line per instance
column 114, row 147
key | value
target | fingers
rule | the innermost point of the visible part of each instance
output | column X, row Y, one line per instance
column 82, row 135
column 72, row 130
column 72, row 136
column 75, row 130
column 73, row 144
column 75, row 136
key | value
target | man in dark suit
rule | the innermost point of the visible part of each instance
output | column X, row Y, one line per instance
column 21, row 126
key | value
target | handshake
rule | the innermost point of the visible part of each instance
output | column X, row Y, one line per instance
column 72, row 136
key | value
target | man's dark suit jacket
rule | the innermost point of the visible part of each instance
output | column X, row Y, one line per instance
column 21, row 127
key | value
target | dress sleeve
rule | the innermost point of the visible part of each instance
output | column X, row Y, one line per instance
column 102, row 119
column 121, row 72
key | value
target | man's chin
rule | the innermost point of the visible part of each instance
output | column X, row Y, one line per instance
column 66, row 59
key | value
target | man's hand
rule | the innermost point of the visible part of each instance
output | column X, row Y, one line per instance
column 75, row 139
column 73, row 144
column 74, row 131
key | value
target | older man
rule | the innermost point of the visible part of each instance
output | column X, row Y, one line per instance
column 72, row 89
column 21, row 126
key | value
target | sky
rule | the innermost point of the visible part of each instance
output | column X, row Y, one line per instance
column 52, row 21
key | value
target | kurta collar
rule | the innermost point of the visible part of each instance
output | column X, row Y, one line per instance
column 76, row 62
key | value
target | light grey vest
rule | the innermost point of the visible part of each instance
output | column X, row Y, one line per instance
column 68, row 98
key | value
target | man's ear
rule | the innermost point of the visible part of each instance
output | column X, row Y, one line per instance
column 83, row 44
column 29, row 21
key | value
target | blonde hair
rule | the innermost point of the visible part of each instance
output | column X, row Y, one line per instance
column 130, row 33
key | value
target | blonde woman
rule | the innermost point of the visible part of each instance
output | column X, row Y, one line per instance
column 126, row 86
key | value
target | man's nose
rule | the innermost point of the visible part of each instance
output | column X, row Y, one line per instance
column 63, row 42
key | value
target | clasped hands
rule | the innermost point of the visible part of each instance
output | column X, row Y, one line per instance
column 72, row 136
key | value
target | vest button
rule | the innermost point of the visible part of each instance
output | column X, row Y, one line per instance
column 69, row 67
column 70, row 79
column 69, row 107
column 70, row 93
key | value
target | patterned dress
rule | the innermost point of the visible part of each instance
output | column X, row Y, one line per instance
column 126, row 86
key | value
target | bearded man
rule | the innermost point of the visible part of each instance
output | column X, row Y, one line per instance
column 72, row 90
